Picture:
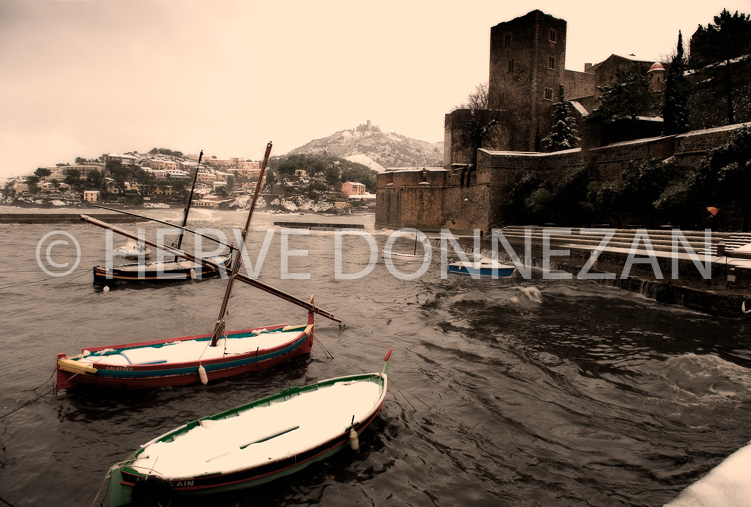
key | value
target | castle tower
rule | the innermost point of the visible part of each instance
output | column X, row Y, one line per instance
column 658, row 77
column 527, row 61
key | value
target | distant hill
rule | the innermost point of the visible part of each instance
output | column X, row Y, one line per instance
column 369, row 146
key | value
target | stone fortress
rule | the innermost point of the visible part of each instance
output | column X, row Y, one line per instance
column 527, row 66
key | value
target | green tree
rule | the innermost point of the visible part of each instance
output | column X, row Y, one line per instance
column 73, row 178
column 523, row 185
column 628, row 97
column 332, row 177
column 563, row 133
column 95, row 180
column 271, row 179
column 119, row 173
column 8, row 190
column 473, row 124
column 32, row 181
column 634, row 196
column 675, row 109
column 714, row 48
column 725, row 176
column 672, row 205
column 42, row 172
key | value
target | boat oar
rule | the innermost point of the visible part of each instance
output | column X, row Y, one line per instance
column 209, row 264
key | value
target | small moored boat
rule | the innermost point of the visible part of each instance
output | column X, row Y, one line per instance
column 169, row 271
column 251, row 444
column 132, row 250
column 185, row 360
column 482, row 267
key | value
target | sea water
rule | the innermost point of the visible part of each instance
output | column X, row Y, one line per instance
column 502, row 392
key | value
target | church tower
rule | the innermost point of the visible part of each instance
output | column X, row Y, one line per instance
column 527, row 61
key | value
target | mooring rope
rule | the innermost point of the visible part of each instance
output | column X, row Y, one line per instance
column 83, row 273
column 30, row 401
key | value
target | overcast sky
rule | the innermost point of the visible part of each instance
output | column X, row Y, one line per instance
column 83, row 78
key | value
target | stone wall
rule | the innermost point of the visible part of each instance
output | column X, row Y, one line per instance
column 463, row 198
column 692, row 147
column 613, row 159
column 413, row 198
column 578, row 84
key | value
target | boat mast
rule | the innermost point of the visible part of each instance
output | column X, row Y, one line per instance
column 213, row 265
column 187, row 206
column 220, row 322
column 151, row 219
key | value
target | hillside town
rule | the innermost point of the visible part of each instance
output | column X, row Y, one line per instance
column 162, row 178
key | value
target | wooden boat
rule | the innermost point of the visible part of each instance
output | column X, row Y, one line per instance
column 185, row 360
column 192, row 359
column 406, row 256
column 169, row 271
column 251, row 444
column 482, row 267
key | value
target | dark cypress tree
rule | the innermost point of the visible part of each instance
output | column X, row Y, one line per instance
column 563, row 133
column 675, row 110
column 714, row 49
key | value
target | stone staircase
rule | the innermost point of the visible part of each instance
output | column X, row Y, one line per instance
column 590, row 238
column 733, row 242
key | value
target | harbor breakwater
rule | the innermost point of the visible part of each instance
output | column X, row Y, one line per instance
column 65, row 218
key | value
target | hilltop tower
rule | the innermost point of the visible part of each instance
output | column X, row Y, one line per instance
column 527, row 60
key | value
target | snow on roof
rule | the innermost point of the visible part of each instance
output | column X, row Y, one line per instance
column 655, row 67
column 634, row 58
column 724, row 128
column 529, row 153
column 580, row 108
column 402, row 169
column 633, row 141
